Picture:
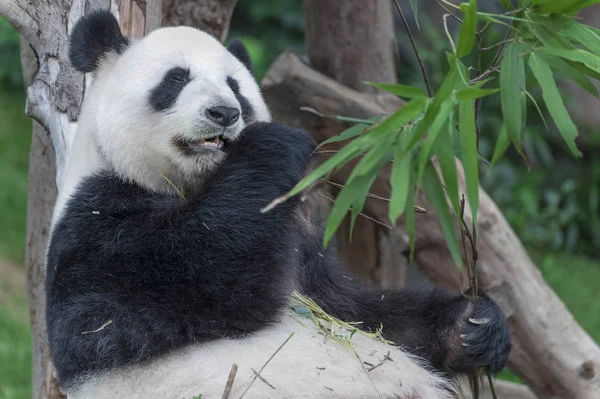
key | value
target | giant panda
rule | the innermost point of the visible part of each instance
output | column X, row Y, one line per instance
column 162, row 271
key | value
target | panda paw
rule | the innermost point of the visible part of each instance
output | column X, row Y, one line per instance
column 480, row 339
column 284, row 149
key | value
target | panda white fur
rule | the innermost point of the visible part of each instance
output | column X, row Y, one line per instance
column 151, row 295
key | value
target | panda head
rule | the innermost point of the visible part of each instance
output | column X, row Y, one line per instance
column 167, row 105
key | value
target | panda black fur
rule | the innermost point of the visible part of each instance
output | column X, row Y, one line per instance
column 154, row 295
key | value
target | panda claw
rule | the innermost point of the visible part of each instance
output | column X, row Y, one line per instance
column 479, row 321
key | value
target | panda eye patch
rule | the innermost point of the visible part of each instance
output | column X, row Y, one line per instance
column 164, row 95
column 179, row 75
column 247, row 110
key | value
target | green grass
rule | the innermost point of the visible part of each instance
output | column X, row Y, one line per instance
column 15, row 140
column 15, row 350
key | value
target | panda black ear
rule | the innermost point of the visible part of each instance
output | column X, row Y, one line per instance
column 95, row 35
column 237, row 48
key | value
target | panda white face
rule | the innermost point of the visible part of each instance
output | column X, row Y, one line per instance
column 168, row 105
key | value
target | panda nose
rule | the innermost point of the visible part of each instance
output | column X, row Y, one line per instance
column 224, row 116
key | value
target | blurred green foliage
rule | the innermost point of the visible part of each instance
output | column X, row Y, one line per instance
column 10, row 66
column 268, row 28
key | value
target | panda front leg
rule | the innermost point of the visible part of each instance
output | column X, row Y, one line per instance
column 449, row 331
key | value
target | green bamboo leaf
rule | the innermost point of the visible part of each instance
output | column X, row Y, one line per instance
column 512, row 83
column 437, row 126
column 466, row 37
column 446, row 158
column 550, row 37
column 489, row 18
column 563, row 6
column 435, row 195
column 572, row 73
column 582, row 34
column 576, row 55
column 357, row 186
column 483, row 15
column 554, row 103
column 410, row 218
column 468, row 146
column 344, row 155
column 400, row 90
column 381, row 152
column 359, row 203
column 539, row 110
column 400, row 179
column 349, row 194
column 471, row 93
column 349, row 133
column 415, row 10
column 433, row 110
column 501, row 146
column 402, row 116
column 483, row 82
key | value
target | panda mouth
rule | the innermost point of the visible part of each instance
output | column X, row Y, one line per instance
column 211, row 143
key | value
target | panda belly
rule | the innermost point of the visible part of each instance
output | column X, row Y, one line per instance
column 305, row 367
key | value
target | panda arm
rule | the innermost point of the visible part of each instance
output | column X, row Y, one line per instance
column 167, row 272
column 430, row 323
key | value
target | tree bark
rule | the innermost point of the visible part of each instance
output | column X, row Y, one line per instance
column 352, row 41
column 212, row 16
column 552, row 353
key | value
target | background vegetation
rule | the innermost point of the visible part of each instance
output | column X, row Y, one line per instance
column 553, row 206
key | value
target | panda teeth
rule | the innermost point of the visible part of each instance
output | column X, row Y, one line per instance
column 215, row 142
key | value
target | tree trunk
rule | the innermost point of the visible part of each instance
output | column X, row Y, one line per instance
column 551, row 351
column 353, row 41
column 53, row 101
column 212, row 16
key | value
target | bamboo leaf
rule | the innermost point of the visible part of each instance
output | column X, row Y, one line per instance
column 400, row 179
column 537, row 107
column 554, row 103
column 576, row 55
column 356, row 189
column 466, row 37
column 402, row 116
column 471, row 93
column 468, row 146
column 415, row 10
column 400, row 90
column 346, row 154
column 582, row 34
column 437, row 126
column 359, row 203
column 563, row 6
column 445, row 155
column 349, row 133
column 572, row 73
column 435, row 195
column 410, row 218
column 501, row 146
column 512, row 83
column 349, row 194
column 433, row 110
